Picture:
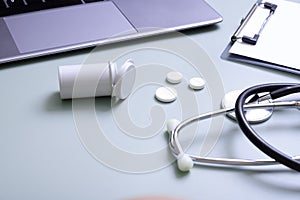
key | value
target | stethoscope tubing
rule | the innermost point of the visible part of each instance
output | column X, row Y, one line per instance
column 178, row 151
column 252, row 135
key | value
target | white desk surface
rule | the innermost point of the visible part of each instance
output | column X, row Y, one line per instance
column 42, row 156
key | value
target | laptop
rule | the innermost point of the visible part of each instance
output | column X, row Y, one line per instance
column 31, row 28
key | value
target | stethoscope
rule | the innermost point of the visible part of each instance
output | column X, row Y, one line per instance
column 260, row 96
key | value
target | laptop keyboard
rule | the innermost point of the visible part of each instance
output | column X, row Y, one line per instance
column 11, row 7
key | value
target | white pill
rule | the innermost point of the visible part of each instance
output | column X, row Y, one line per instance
column 174, row 77
column 172, row 124
column 197, row 83
column 185, row 163
column 166, row 94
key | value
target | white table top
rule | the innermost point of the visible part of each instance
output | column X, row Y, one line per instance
column 44, row 155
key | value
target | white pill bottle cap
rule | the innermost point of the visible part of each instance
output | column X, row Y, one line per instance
column 96, row 80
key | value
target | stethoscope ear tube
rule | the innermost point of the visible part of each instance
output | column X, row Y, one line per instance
column 280, row 90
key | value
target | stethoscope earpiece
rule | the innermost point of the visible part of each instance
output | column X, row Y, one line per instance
column 185, row 163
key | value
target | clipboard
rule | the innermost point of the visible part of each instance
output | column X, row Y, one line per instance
column 254, row 42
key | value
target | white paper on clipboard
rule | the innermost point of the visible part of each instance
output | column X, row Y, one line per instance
column 279, row 41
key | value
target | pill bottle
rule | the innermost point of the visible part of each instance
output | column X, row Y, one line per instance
column 96, row 80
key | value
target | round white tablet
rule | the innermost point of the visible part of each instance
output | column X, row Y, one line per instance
column 166, row 94
column 197, row 83
column 174, row 77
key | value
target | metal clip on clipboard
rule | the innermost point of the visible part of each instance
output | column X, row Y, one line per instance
column 244, row 21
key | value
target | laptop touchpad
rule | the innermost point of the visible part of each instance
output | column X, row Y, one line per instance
column 67, row 26
column 167, row 13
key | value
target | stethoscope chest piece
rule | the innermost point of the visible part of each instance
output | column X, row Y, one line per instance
column 253, row 116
